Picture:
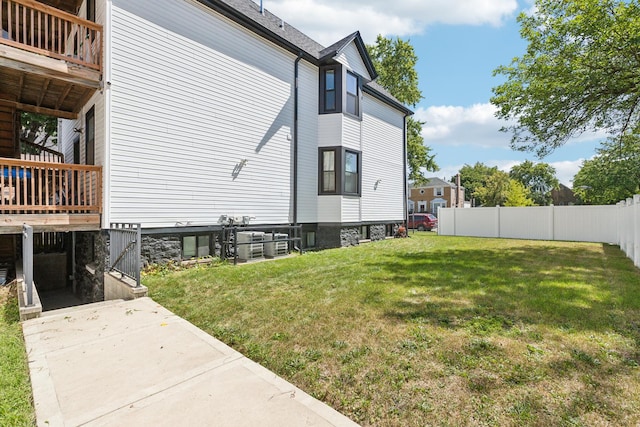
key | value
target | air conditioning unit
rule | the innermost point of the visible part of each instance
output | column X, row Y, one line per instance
column 250, row 245
column 276, row 244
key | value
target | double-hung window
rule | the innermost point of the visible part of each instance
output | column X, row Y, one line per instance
column 328, row 181
column 353, row 96
column 339, row 171
column 351, row 172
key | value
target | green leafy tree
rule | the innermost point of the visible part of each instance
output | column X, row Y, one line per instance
column 38, row 129
column 579, row 73
column 501, row 190
column 538, row 178
column 474, row 177
column 518, row 195
column 395, row 61
column 612, row 175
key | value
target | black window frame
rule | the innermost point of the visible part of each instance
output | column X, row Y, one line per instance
column 90, row 137
column 337, row 89
column 91, row 10
column 356, row 95
column 340, row 154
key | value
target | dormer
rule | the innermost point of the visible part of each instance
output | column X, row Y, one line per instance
column 345, row 67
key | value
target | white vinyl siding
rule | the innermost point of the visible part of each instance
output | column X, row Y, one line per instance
column 351, row 209
column 307, row 143
column 202, row 117
column 351, row 133
column 330, row 209
column 350, row 57
column 382, row 162
column 68, row 134
column 329, row 130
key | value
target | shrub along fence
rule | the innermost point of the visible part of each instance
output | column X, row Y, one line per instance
column 616, row 224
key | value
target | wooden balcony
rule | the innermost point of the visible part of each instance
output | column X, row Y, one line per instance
column 50, row 60
column 49, row 196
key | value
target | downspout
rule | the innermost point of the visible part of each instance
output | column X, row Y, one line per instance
column 295, row 140
column 406, row 178
column 106, row 80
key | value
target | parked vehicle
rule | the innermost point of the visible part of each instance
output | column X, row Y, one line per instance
column 423, row 221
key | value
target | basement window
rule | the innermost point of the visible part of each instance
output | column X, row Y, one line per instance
column 310, row 239
column 196, row 246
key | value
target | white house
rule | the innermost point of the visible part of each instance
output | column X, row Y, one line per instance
column 196, row 110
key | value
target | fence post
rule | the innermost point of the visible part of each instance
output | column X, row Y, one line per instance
column 620, row 223
column 27, row 261
column 635, row 219
column 552, row 221
column 138, row 254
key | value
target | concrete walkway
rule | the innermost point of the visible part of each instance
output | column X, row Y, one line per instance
column 134, row 363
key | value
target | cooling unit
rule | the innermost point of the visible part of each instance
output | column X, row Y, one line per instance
column 276, row 244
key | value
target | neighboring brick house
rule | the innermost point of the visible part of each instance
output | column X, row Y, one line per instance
column 436, row 193
column 563, row 196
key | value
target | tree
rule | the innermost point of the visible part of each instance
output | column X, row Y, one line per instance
column 612, row 175
column 474, row 177
column 518, row 195
column 579, row 73
column 38, row 129
column 538, row 178
column 395, row 61
column 501, row 190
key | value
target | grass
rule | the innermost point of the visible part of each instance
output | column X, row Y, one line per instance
column 436, row 330
column 16, row 407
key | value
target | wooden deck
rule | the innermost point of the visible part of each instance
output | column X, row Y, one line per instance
column 49, row 196
column 50, row 60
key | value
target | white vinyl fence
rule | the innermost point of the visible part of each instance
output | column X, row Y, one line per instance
column 616, row 224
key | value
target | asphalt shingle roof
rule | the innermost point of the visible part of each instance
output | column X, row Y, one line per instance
column 270, row 26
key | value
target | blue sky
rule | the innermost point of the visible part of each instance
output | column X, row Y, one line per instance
column 459, row 43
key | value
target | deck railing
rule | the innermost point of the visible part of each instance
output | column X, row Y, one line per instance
column 39, row 188
column 38, row 153
column 38, row 28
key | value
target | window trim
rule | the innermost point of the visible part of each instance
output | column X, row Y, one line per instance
column 438, row 191
column 340, row 172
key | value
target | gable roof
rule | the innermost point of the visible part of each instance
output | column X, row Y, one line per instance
column 269, row 26
column 436, row 182
column 337, row 48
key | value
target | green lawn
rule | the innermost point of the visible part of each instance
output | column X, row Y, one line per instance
column 436, row 330
column 16, row 408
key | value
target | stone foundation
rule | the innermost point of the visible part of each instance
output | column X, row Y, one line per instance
column 161, row 249
column 349, row 236
column 377, row 232
column 92, row 256
column 338, row 236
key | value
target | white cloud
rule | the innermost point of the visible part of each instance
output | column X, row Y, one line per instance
column 566, row 170
column 327, row 21
column 475, row 125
